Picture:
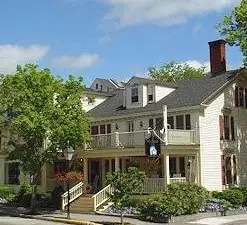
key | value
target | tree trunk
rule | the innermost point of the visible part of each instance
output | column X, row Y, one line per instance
column 121, row 214
column 33, row 207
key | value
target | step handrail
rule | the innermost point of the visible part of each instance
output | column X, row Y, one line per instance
column 75, row 192
column 102, row 196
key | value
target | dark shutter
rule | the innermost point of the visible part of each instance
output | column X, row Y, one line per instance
column 108, row 128
column 180, row 122
column 236, row 97
column 232, row 128
column 227, row 127
column 223, row 170
column 221, row 122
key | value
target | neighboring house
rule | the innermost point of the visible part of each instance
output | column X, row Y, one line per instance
column 206, row 131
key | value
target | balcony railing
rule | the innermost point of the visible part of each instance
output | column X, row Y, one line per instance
column 137, row 139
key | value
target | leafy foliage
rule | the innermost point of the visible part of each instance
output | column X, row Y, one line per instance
column 234, row 28
column 69, row 176
column 234, row 196
column 124, row 185
column 43, row 114
column 173, row 71
column 7, row 193
column 177, row 199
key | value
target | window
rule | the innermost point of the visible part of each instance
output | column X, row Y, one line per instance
column 96, row 86
column 13, row 173
column 102, row 129
column 151, row 123
column 159, row 123
column 134, row 95
column 94, row 130
column 241, row 96
column 180, row 122
column 226, row 128
column 187, row 122
column 182, row 166
column 101, row 87
column 172, row 166
column 150, row 98
column 130, row 126
column 170, row 121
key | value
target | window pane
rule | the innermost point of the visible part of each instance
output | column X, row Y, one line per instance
column 187, row 122
column 159, row 123
column 102, row 129
column 134, row 95
column 13, row 173
column 94, row 130
column 180, row 122
column 151, row 123
column 170, row 122
column 150, row 98
column 182, row 166
column 172, row 166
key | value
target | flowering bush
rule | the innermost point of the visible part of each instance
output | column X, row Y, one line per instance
column 69, row 176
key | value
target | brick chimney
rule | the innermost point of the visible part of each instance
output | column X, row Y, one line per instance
column 217, row 57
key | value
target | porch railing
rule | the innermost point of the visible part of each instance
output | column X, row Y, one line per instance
column 137, row 138
column 75, row 192
column 102, row 196
column 177, row 179
column 153, row 185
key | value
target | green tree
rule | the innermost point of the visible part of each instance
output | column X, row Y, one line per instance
column 173, row 71
column 234, row 28
column 124, row 185
column 43, row 114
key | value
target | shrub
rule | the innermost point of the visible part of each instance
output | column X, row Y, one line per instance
column 135, row 200
column 244, row 192
column 234, row 196
column 56, row 196
column 22, row 195
column 7, row 193
column 158, row 208
column 190, row 197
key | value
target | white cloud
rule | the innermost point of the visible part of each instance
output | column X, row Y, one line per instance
column 161, row 12
column 11, row 55
column 104, row 39
column 197, row 64
column 83, row 61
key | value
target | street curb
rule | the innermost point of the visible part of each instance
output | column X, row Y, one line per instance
column 60, row 220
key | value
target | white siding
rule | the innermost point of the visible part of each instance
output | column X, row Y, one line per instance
column 88, row 106
column 210, row 145
column 161, row 92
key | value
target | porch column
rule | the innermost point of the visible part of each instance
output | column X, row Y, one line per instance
column 117, row 163
column 43, row 178
column 103, row 171
column 166, row 169
column 85, row 170
column 110, row 165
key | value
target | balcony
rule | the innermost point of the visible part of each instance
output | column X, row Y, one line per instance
column 137, row 139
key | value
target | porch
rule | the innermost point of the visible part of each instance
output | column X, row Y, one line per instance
column 137, row 139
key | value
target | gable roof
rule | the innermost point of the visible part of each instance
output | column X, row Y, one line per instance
column 188, row 93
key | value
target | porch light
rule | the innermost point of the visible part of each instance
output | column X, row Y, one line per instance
column 68, row 153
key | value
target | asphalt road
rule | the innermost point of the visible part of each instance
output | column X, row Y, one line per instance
column 6, row 220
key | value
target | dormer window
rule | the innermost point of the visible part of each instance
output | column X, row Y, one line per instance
column 134, row 95
column 150, row 98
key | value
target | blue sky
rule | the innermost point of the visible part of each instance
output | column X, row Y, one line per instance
column 109, row 38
